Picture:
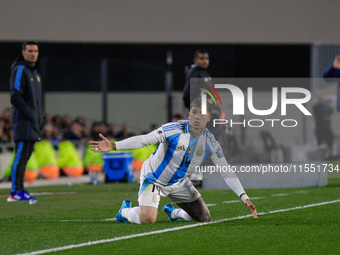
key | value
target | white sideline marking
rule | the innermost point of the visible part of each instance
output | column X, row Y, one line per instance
column 112, row 219
column 72, row 246
column 211, row 205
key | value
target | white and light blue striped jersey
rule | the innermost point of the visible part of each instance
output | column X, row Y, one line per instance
column 178, row 153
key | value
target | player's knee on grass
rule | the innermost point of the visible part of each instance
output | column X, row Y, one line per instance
column 197, row 210
column 147, row 219
column 148, row 214
column 205, row 217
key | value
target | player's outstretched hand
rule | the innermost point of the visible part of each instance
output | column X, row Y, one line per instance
column 101, row 146
column 251, row 207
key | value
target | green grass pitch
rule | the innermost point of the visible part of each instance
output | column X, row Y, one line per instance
column 70, row 215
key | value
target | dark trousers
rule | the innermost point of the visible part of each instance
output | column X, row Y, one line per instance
column 23, row 151
column 325, row 135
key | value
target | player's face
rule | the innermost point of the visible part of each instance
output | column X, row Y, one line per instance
column 197, row 121
column 202, row 60
column 31, row 53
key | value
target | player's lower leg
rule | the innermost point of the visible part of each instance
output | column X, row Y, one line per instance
column 175, row 214
column 131, row 214
column 181, row 214
column 119, row 217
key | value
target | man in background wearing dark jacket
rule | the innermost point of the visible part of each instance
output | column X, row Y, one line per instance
column 334, row 72
column 197, row 70
column 27, row 116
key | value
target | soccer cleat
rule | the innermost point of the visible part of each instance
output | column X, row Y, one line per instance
column 119, row 216
column 18, row 196
column 32, row 200
column 168, row 208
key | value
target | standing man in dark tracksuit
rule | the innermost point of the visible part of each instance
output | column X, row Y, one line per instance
column 27, row 116
column 333, row 72
column 197, row 70
column 323, row 128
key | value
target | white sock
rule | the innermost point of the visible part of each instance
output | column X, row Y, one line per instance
column 132, row 214
column 180, row 213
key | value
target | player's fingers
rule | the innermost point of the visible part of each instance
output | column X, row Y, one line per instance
column 93, row 145
column 93, row 142
column 251, row 206
column 254, row 214
column 102, row 137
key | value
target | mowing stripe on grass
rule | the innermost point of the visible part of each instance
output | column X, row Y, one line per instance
column 51, row 193
column 232, row 201
column 68, row 247
column 280, row 195
column 238, row 200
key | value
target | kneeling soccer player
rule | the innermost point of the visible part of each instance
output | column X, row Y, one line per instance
column 184, row 144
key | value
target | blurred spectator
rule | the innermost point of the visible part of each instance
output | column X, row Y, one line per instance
column 51, row 133
column 82, row 122
column 3, row 136
column 75, row 132
column 9, row 133
column 57, row 121
column 125, row 132
column 95, row 130
column 66, row 122
column 8, row 127
column 153, row 127
column 176, row 117
column 104, row 128
column 57, row 124
column 112, row 131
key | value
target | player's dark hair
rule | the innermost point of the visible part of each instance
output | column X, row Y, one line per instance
column 197, row 102
column 29, row 43
column 200, row 51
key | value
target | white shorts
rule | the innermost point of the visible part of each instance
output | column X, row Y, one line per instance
column 180, row 192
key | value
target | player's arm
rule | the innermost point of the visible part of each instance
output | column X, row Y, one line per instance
column 17, row 86
column 232, row 180
column 134, row 142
